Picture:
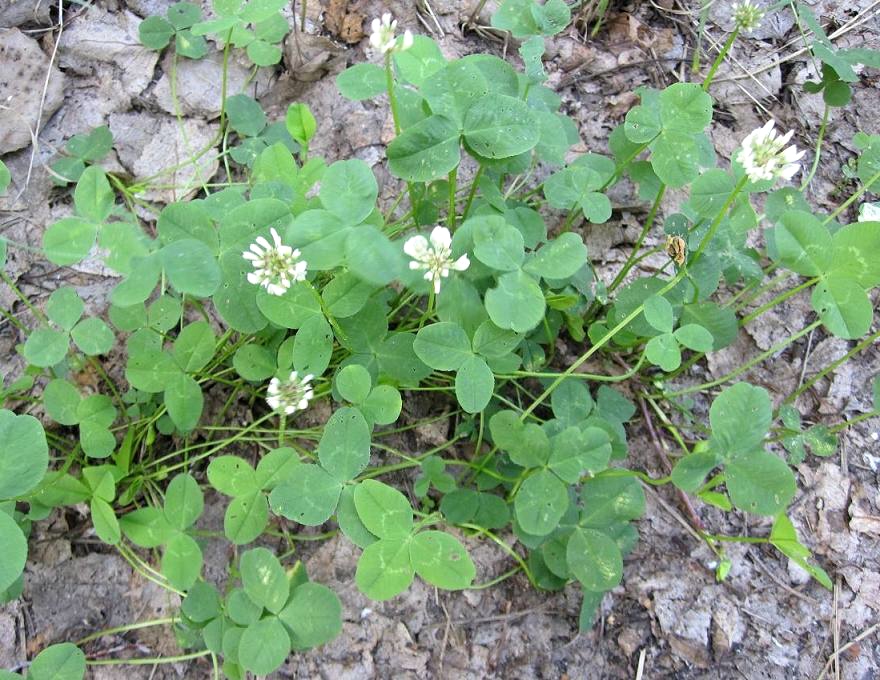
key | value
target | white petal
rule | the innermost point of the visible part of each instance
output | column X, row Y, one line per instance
column 416, row 247
column 441, row 238
column 275, row 237
column 407, row 40
column 303, row 404
column 263, row 242
column 256, row 249
column 254, row 278
column 461, row 263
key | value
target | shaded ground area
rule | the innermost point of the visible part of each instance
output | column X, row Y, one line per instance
column 767, row 620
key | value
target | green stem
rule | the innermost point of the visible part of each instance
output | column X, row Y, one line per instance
column 865, row 343
column 710, row 234
column 649, row 222
column 809, row 178
column 148, row 661
column 723, row 53
column 450, row 217
column 123, row 629
column 745, row 367
column 855, row 197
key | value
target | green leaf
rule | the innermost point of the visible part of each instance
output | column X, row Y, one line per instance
column 558, row 259
column 594, row 559
column 184, row 14
column 443, row 346
column 155, row 32
column 384, row 511
column 202, row 603
column 571, row 401
column 299, row 304
column 441, row 560
column 349, row 521
column 263, row 53
column 354, row 383
column 184, row 502
column 540, row 503
column 527, row 444
column 694, row 337
column 642, row 124
column 345, row 295
column 264, row 579
column 760, row 483
column 361, row 81
column 855, row 246
column 14, row 553
column 784, row 537
column 254, row 363
column 45, row 347
column 246, row 517
column 139, row 284
column 493, row 342
column 5, row 178
column 685, row 107
column 663, row 351
column 803, row 243
column 61, row 400
column 191, row 46
column 245, row 115
column 93, row 197
column 300, row 123
column 313, row 615
column 500, row 126
column 150, row 370
column 474, row 384
column 611, row 500
column 105, row 522
column 720, row 321
column 182, row 561
column 675, row 158
column 349, row 191
column 194, row 346
column 709, row 192
column 425, row 151
column 371, row 256
column 497, row 244
column 313, row 346
column 690, row 471
column 276, row 466
column 516, row 303
column 92, row 336
column 658, row 313
column 64, row 661
column 69, row 240
column 64, row 307
column 308, row 497
column 191, row 267
column 740, row 417
column 344, row 449
column 146, row 527
column 575, row 451
column 184, row 401
column 843, row 306
column 383, row 405
column 232, row 475
column 422, row 60
column 384, row 569
column 264, row 646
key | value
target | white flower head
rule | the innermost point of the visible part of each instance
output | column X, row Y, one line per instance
column 869, row 212
column 747, row 15
column 434, row 256
column 763, row 157
column 291, row 395
column 276, row 266
column 383, row 38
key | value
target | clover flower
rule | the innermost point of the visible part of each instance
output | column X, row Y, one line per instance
column 869, row 212
column 435, row 257
column 747, row 16
column 275, row 266
column 291, row 395
column 383, row 39
column 763, row 157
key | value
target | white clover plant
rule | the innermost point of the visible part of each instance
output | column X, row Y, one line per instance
column 265, row 334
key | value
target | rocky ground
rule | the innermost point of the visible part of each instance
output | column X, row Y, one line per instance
column 62, row 73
